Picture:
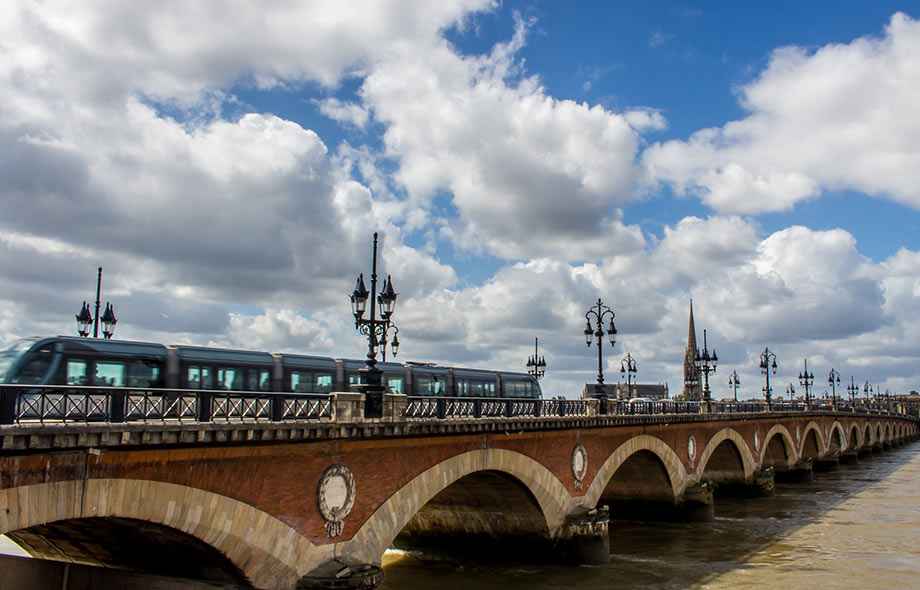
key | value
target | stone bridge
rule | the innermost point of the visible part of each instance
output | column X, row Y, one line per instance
column 271, row 504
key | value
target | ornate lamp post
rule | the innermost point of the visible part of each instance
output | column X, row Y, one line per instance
column 768, row 364
column 86, row 318
column 833, row 378
column 790, row 392
column 375, row 329
column 867, row 389
column 629, row 368
column 600, row 313
column 852, row 389
column 706, row 364
column 734, row 382
column 536, row 364
column 806, row 380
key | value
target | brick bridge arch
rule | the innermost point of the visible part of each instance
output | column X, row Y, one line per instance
column 385, row 524
column 837, row 435
column 677, row 473
column 264, row 549
column 785, row 438
column 820, row 442
column 731, row 437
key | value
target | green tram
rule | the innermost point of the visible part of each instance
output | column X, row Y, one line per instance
column 67, row 360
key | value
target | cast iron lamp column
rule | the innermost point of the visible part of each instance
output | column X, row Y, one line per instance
column 853, row 390
column 86, row 318
column 833, row 378
column 706, row 364
column 600, row 313
column 536, row 364
column 734, row 382
column 806, row 380
column 375, row 330
column 768, row 363
column 629, row 368
column 867, row 389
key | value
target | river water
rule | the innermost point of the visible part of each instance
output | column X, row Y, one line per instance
column 854, row 527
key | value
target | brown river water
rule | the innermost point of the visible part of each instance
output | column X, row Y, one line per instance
column 854, row 527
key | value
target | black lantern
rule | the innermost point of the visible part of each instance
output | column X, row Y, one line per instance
column 84, row 320
column 359, row 298
column 387, row 298
column 536, row 364
column 108, row 321
column 734, row 381
column 833, row 379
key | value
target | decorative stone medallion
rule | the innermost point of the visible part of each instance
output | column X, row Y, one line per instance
column 579, row 464
column 336, row 497
column 756, row 440
column 691, row 448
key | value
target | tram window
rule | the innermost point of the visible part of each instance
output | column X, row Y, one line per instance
column 307, row 382
column 206, row 382
column 323, row 383
column 143, row 374
column 76, row 373
column 229, row 378
column 110, row 373
column 193, row 378
column 34, row 370
column 395, row 384
column 259, row 380
column 428, row 385
column 354, row 379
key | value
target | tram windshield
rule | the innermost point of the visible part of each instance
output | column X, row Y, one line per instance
column 12, row 354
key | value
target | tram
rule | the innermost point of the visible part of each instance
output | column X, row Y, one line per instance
column 68, row 360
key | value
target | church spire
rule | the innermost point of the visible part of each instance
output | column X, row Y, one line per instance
column 691, row 333
column 691, row 379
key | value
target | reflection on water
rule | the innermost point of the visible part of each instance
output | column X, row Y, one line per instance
column 854, row 527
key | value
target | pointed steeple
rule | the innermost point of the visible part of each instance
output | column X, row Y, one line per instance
column 691, row 379
column 691, row 334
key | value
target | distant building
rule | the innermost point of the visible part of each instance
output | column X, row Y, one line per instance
column 692, row 388
column 647, row 390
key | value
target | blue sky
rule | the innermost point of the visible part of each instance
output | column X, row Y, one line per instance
column 683, row 59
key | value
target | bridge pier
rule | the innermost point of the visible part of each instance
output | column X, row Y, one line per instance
column 585, row 537
column 340, row 574
column 762, row 483
column 803, row 471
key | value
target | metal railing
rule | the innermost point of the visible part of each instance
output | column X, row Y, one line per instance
column 27, row 404
column 428, row 407
column 23, row 404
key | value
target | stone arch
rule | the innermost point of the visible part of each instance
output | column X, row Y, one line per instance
column 888, row 432
column 677, row 473
column 268, row 552
column 821, row 444
column 855, row 440
column 786, row 442
column 380, row 530
column 878, row 433
column 740, row 445
column 837, row 438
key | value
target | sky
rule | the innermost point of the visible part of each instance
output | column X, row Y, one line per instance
column 227, row 163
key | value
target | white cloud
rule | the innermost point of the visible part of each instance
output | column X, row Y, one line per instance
column 841, row 117
column 530, row 175
column 344, row 112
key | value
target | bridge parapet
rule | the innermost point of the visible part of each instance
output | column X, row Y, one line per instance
column 29, row 404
